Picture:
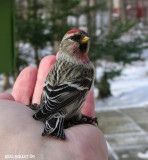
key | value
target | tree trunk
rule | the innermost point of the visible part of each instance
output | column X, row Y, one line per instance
column 88, row 18
column 101, row 19
column 6, row 83
column 104, row 87
column 123, row 12
column 36, row 48
column 110, row 11
column 77, row 17
column 146, row 13
column 77, row 22
column 91, row 18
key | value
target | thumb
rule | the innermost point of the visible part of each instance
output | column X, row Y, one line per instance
column 88, row 108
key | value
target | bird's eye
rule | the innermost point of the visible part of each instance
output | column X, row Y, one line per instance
column 75, row 37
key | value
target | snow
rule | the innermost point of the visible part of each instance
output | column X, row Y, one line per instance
column 128, row 90
column 143, row 155
column 125, row 155
column 28, row 52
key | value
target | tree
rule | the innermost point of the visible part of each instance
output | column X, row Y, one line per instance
column 58, row 18
column 110, row 12
column 108, row 45
column 45, row 21
column 32, row 27
column 123, row 12
column 112, row 49
column 6, row 83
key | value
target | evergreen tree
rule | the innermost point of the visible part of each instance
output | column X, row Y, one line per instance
column 110, row 47
column 39, row 22
column 58, row 17
column 43, row 21
column 32, row 27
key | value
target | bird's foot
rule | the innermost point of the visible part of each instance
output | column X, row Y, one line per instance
column 88, row 120
column 84, row 120
column 34, row 106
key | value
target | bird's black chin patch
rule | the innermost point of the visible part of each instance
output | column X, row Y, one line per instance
column 83, row 47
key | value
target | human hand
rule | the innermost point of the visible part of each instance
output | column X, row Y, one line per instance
column 20, row 134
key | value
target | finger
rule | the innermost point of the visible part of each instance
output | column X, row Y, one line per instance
column 88, row 108
column 57, row 55
column 7, row 96
column 44, row 68
column 24, row 85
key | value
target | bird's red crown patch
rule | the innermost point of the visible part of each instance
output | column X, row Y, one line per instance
column 74, row 31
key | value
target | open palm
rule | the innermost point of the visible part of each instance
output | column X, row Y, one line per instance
column 20, row 134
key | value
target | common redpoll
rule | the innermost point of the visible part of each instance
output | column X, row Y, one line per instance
column 67, row 85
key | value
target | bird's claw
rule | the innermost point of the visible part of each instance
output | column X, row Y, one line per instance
column 84, row 120
column 89, row 120
column 34, row 106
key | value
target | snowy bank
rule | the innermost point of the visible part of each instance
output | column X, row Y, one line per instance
column 128, row 90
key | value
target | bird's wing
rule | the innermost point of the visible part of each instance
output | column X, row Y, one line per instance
column 56, row 97
column 64, row 94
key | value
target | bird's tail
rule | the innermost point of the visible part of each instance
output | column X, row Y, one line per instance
column 54, row 125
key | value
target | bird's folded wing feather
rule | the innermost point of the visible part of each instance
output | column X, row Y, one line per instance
column 62, row 95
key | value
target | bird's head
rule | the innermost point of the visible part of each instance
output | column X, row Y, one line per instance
column 75, row 44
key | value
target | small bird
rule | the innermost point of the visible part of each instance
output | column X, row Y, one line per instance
column 66, row 86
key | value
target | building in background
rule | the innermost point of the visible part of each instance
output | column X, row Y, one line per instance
column 134, row 9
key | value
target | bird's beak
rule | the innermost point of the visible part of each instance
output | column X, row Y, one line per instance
column 85, row 40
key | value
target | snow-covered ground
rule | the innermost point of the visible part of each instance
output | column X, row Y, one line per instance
column 130, row 89
column 143, row 155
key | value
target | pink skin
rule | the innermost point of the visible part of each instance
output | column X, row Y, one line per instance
column 47, row 64
column 21, row 134
column 6, row 96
